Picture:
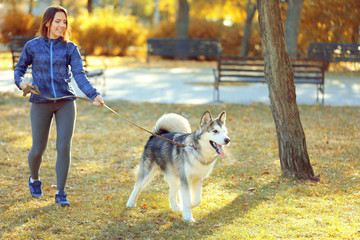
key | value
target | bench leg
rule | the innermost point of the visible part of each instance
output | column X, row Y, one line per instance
column 104, row 84
column 216, row 92
column 320, row 88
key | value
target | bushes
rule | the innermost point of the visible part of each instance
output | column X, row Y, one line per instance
column 107, row 33
column 101, row 33
column 104, row 33
column 19, row 24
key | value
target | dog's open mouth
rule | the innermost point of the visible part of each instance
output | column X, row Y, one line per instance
column 218, row 148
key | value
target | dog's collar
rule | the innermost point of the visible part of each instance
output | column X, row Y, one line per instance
column 200, row 159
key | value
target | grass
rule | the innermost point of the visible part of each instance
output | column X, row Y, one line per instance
column 245, row 197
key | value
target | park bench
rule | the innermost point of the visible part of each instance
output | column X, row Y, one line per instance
column 334, row 52
column 251, row 70
column 182, row 48
column 96, row 76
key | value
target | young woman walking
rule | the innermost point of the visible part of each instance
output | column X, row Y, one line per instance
column 52, row 57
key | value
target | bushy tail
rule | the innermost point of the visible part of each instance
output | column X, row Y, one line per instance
column 172, row 122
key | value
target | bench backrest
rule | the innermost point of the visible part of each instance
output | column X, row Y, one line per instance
column 334, row 52
column 183, row 47
column 16, row 46
column 251, row 69
column 18, row 43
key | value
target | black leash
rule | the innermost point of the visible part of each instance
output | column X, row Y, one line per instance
column 36, row 89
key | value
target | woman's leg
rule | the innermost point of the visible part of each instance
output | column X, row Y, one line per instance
column 40, row 116
column 65, row 123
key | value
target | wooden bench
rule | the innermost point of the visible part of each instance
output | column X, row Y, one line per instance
column 96, row 76
column 334, row 52
column 251, row 70
column 182, row 48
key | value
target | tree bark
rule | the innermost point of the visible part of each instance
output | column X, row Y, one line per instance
column 89, row 6
column 156, row 13
column 182, row 21
column 292, row 26
column 279, row 75
column 250, row 12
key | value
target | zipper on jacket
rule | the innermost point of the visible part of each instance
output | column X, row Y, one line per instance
column 51, row 68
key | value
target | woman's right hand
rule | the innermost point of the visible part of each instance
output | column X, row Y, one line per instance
column 23, row 85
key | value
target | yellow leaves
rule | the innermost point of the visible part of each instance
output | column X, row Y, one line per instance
column 164, row 227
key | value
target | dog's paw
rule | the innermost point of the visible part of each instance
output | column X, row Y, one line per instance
column 189, row 220
column 130, row 205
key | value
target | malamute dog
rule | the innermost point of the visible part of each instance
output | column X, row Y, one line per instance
column 184, row 168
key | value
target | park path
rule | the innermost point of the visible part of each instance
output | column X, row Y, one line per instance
column 194, row 86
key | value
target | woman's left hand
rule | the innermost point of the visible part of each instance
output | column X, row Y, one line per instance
column 98, row 101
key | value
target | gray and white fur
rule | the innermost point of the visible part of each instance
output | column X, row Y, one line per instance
column 184, row 168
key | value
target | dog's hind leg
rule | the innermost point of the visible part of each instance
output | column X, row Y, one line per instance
column 174, row 190
column 143, row 178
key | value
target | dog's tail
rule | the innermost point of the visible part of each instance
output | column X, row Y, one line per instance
column 172, row 122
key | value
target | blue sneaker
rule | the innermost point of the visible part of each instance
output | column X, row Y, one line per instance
column 35, row 188
column 60, row 199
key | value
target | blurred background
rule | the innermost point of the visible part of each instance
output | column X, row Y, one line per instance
column 121, row 27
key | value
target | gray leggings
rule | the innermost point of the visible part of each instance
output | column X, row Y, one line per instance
column 41, row 115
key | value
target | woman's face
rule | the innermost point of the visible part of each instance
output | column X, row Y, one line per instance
column 58, row 26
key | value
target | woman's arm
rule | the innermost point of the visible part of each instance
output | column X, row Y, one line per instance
column 24, row 61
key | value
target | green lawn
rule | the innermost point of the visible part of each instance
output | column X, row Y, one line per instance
column 244, row 198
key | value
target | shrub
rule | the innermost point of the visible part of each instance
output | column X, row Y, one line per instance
column 19, row 24
column 107, row 33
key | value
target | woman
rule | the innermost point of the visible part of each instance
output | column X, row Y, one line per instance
column 51, row 55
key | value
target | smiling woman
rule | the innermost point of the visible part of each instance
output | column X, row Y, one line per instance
column 55, row 24
column 52, row 55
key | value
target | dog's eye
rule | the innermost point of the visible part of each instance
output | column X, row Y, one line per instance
column 215, row 131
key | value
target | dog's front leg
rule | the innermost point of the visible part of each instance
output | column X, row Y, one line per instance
column 196, row 188
column 186, row 200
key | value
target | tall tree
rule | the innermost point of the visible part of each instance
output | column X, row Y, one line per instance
column 250, row 12
column 279, row 75
column 89, row 6
column 182, row 20
column 31, row 4
column 292, row 26
column 156, row 19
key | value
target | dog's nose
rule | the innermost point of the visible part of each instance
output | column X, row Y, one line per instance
column 227, row 140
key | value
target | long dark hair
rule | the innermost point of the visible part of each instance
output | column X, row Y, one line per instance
column 48, row 16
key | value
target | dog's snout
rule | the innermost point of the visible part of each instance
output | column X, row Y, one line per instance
column 227, row 140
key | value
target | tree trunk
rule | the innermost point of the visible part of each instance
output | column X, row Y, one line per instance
column 182, row 21
column 31, row 4
column 292, row 26
column 156, row 13
column 89, row 6
column 280, row 80
column 250, row 12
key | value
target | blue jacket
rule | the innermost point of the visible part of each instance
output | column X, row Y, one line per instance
column 52, row 62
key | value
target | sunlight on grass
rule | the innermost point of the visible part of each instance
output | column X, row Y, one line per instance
column 245, row 197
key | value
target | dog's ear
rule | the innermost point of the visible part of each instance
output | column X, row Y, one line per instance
column 206, row 118
column 222, row 117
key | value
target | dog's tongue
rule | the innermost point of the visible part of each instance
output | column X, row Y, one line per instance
column 221, row 151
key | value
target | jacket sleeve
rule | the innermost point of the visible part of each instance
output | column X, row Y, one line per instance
column 24, row 61
column 79, row 75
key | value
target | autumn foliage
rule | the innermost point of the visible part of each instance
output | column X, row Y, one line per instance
column 108, row 32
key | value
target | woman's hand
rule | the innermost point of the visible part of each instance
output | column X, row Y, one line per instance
column 98, row 101
column 23, row 85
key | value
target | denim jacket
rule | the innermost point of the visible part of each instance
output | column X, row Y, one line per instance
column 52, row 62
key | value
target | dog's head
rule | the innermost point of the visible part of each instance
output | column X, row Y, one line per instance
column 214, row 131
